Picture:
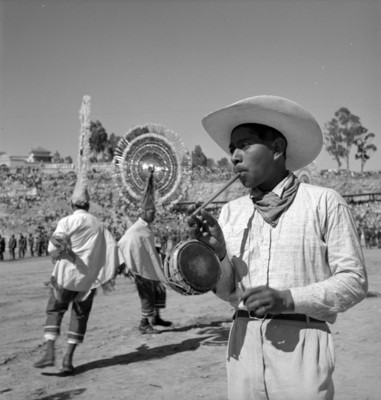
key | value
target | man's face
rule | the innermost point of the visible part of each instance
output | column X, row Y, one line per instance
column 252, row 158
column 149, row 215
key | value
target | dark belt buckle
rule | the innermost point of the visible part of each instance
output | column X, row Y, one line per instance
column 253, row 316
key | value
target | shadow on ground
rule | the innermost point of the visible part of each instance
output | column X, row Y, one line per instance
column 67, row 395
column 215, row 333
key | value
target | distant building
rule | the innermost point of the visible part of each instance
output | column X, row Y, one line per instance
column 38, row 159
column 12, row 161
column 39, row 155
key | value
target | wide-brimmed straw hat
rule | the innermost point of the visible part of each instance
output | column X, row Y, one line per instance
column 301, row 130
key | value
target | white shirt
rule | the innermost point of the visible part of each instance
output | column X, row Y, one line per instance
column 95, row 249
column 314, row 251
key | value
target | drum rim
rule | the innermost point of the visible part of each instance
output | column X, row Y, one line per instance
column 204, row 289
column 174, row 285
column 174, row 257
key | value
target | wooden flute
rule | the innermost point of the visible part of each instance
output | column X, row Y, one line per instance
column 207, row 202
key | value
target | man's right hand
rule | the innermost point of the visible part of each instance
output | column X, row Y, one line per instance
column 204, row 227
column 123, row 270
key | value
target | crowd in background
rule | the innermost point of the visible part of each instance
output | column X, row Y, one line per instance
column 27, row 219
column 368, row 220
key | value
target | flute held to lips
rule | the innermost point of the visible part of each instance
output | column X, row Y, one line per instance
column 232, row 180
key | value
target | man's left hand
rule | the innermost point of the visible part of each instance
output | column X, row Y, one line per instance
column 265, row 300
column 205, row 227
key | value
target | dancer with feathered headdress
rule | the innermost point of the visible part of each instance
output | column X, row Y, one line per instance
column 143, row 262
column 85, row 257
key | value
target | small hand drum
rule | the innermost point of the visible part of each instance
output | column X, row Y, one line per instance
column 192, row 268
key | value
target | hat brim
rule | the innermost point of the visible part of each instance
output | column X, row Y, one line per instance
column 301, row 130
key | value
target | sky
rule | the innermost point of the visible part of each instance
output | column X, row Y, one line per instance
column 172, row 62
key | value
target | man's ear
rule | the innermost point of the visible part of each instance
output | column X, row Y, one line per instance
column 279, row 147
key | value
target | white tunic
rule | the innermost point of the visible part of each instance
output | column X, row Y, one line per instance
column 95, row 249
column 139, row 252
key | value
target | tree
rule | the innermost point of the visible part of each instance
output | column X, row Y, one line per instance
column 332, row 140
column 364, row 148
column 68, row 160
column 224, row 164
column 113, row 141
column 199, row 159
column 341, row 133
column 210, row 163
column 98, row 139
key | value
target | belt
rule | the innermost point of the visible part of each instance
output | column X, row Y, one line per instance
column 289, row 317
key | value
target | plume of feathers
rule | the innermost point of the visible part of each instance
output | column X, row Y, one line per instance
column 83, row 165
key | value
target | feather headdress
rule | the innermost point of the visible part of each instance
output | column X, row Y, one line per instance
column 148, row 200
column 80, row 194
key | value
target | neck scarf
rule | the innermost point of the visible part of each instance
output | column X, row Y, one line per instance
column 270, row 205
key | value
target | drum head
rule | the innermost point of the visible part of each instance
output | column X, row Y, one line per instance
column 199, row 266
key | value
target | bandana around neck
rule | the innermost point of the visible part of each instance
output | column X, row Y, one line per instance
column 270, row 205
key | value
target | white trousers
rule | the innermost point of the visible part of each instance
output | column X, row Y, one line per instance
column 276, row 359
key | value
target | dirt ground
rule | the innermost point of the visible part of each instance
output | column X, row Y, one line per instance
column 186, row 361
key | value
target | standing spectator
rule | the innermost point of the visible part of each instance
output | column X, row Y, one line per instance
column 2, row 248
column 163, row 242
column 373, row 236
column 25, row 244
column 39, row 243
column 12, row 244
column 22, row 246
column 289, row 254
column 86, row 257
column 46, row 243
column 171, row 243
column 367, row 236
column 144, row 263
column 31, row 244
column 157, row 242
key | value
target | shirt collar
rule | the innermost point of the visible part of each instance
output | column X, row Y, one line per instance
column 279, row 188
column 79, row 211
column 145, row 223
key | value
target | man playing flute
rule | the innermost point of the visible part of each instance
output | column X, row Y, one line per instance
column 289, row 253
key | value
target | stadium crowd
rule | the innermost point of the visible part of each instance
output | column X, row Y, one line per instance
column 32, row 202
